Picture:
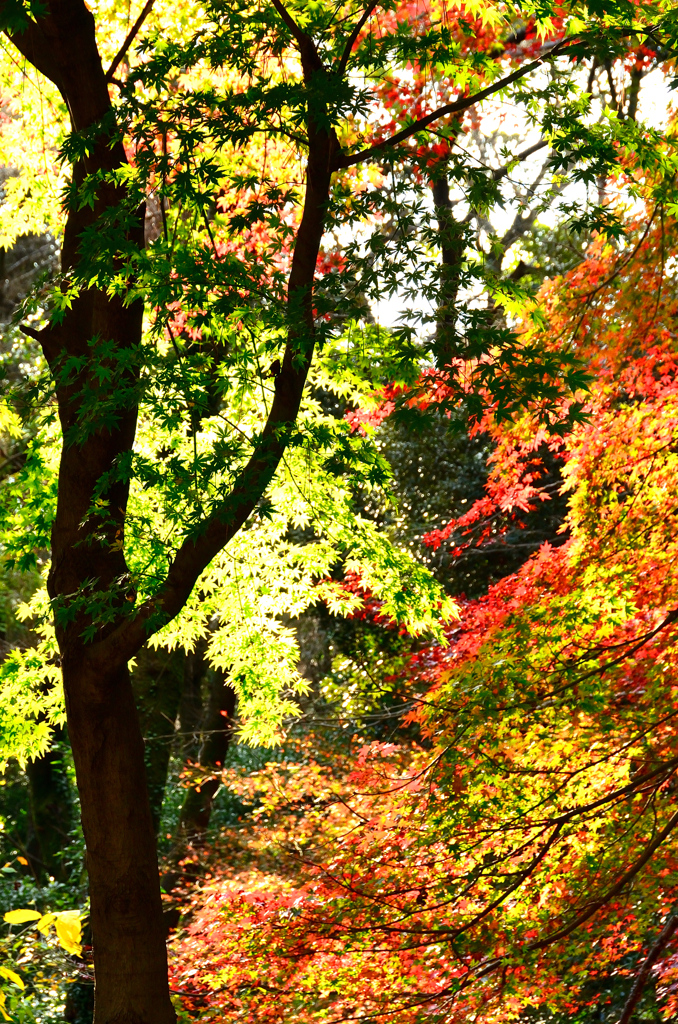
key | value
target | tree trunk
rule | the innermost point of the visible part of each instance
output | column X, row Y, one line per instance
column 158, row 684
column 190, row 715
column 126, row 913
column 217, row 730
column 52, row 810
column 98, row 422
column 451, row 234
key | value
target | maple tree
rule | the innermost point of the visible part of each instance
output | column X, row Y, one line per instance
column 522, row 851
column 178, row 369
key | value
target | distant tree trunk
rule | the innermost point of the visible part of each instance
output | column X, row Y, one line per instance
column 158, row 681
column 51, row 808
column 451, row 234
column 192, row 706
column 217, row 732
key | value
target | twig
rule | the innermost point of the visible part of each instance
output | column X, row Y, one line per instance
column 129, row 40
column 354, row 35
column 298, row 34
column 310, row 58
column 501, row 172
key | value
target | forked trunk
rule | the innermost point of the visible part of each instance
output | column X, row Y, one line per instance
column 92, row 590
column 98, row 418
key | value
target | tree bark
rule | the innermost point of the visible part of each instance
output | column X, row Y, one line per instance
column 87, row 557
column 128, row 932
column 451, row 235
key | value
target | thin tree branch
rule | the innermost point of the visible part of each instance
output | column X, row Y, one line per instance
column 501, row 172
column 595, row 905
column 355, row 33
column 300, row 36
column 207, row 537
column 310, row 58
column 641, row 978
column 203, row 543
column 349, row 160
column 129, row 40
column 618, row 269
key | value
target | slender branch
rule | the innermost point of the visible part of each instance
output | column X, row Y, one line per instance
column 310, row 58
column 497, row 173
column 201, row 545
column 205, row 539
column 129, row 40
column 449, row 108
column 557, row 824
column 641, row 978
column 522, row 875
column 501, row 172
column 595, row 905
column 608, row 280
column 668, row 620
column 498, row 962
column 350, row 42
column 300, row 36
column 30, row 332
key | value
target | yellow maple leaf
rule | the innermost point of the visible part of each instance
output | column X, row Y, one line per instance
column 44, row 923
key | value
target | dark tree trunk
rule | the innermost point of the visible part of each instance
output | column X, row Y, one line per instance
column 217, row 731
column 52, row 811
column 158, row 683
column 128, row 932
column 191, row 708
column 87, row 556
column 451, row 234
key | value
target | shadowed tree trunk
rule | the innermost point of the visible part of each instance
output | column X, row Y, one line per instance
column 52, row 811
column 217, row 731
column 451, row 234
column 192, row 706
column 158, row 681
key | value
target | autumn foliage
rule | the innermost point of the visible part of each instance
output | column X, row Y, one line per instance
column 521, row 852
column 194, row 464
